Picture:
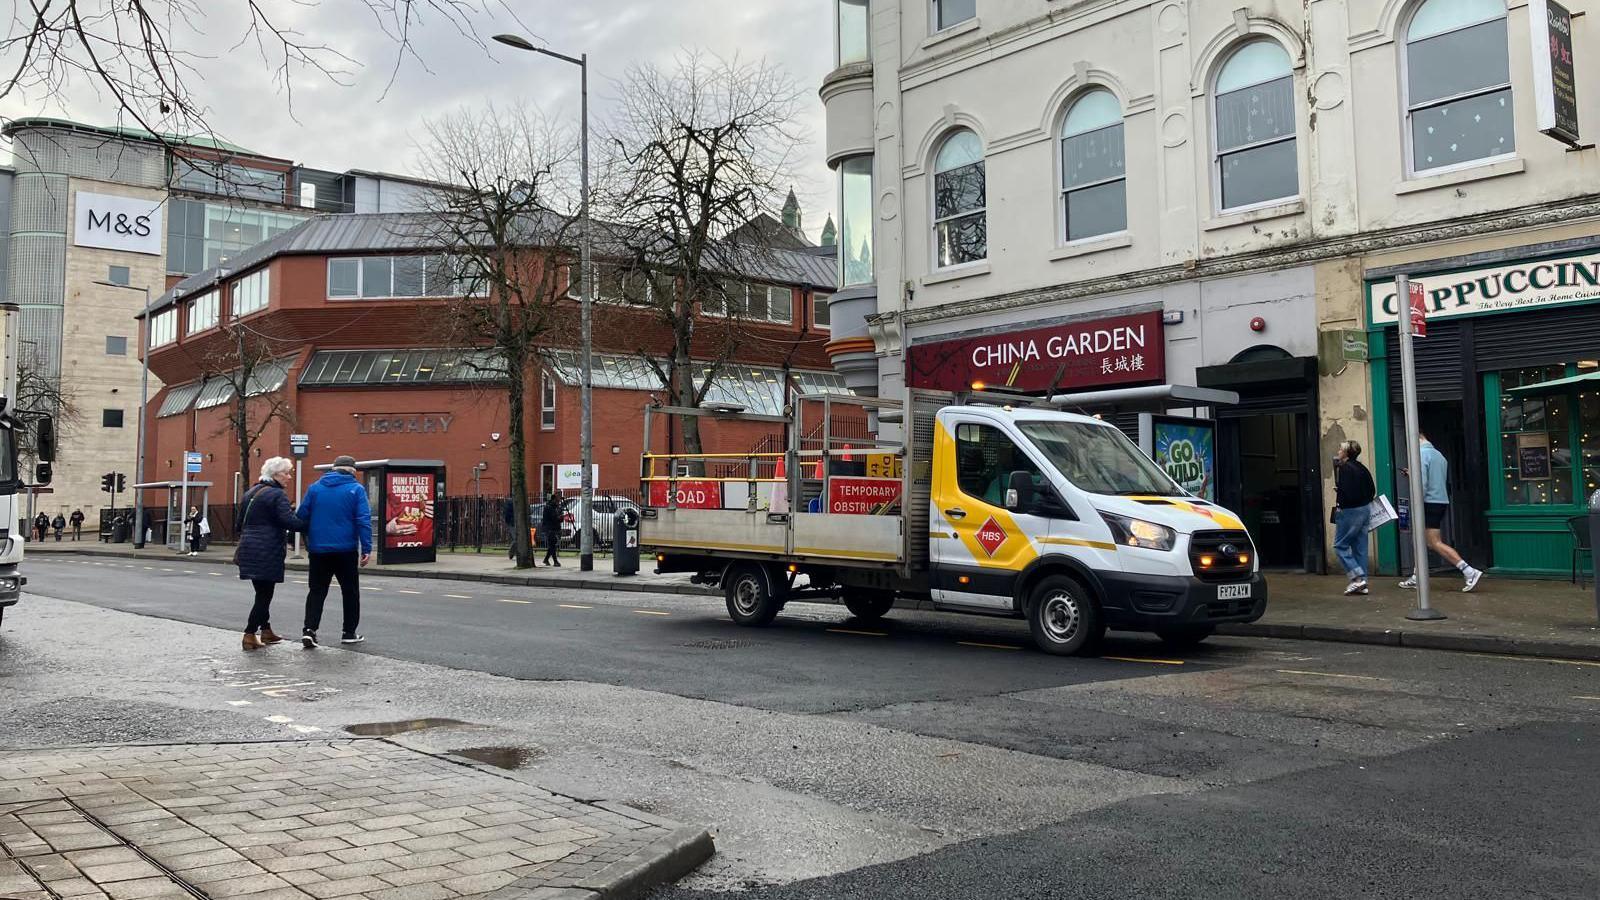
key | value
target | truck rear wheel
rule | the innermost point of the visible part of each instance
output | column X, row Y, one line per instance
column 1063, row 617
column 750, row 595
column 866, row 603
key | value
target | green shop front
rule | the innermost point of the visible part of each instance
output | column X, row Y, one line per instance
column 1508, row 382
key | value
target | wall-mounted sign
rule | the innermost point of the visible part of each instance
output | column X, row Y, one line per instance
column 404, row 423
column 1524, row 285
column 1186, row 449
column 1555, row 81
column 117, row 223
column 1353, row 345
column 1533, row 457
column 570, row 477
column 409, row 510
column 1071, row 356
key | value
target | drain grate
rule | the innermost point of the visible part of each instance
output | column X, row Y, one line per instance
column 718, row 644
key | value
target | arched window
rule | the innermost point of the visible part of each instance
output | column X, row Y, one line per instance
column 1093, row 178
column 1458, row 83
column 1257, row 161
column 960, row 225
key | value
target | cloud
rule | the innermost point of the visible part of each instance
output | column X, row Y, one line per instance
column 374, row 121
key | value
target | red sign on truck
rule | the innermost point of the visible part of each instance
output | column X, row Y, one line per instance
column 1073, row 355
column 855, row 496
column 691, row 494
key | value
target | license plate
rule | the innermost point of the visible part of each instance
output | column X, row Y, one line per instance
column 1233, row 592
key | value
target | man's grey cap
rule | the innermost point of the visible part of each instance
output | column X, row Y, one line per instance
column 344, row 462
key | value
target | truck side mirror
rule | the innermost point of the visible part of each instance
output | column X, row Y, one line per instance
column 46, row 443
column 1019, row 492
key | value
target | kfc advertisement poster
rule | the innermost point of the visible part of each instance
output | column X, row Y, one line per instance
column 409, row 512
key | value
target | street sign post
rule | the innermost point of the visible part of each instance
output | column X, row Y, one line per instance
column 299, row 445
column 192, row 462
column 1417, row 315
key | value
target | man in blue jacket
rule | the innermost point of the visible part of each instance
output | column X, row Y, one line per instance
column 339, row 540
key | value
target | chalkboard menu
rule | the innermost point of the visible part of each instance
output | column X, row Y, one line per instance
column 1533, row 457
column 1555, row 83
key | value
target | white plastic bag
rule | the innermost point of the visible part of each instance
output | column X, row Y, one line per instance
column 1380, row 512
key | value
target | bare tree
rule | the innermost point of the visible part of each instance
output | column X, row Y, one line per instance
column 503, row 231
column 703, row 154
column 254, row 374
column 41, row 395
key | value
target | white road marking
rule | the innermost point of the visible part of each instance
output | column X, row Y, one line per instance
column 1142, row 659
column 408, row 592
column 305, row 729
column 459, row 596
column 1331, row 675
column 280, row 720
column 1534, row 659
column 240, row 703
column 651, row 612
column 574, row 606
column 523, row 602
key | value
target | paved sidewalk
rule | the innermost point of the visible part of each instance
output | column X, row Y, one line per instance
column 313, row 821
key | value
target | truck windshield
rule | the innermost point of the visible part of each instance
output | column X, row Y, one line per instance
column 1099, row 459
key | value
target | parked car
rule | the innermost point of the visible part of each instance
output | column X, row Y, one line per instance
column 606, row 507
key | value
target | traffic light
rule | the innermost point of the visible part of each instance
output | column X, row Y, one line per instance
column 122, row 482
column 107, row 480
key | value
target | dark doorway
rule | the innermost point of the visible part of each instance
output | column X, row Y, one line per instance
column 1270, row 454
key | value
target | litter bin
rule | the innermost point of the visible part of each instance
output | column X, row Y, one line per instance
column 120, row 532
column 625, row 542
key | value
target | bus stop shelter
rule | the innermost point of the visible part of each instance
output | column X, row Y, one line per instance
column 179, row 493
column 403, row 494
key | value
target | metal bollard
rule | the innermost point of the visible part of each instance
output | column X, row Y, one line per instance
column 1594, row 547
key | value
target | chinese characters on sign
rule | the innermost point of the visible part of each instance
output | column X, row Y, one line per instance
column 1555, row 82
column 408, row 510
column 1127, row 349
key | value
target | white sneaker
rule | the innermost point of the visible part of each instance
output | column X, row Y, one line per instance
column 1473, row 577
column 1409, row 584
column 1358, row 586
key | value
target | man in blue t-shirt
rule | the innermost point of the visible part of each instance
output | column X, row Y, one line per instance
column 339, row 541
column 1435, row 509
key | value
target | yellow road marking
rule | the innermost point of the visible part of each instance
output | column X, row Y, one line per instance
column 862, row 633
column 988, row 646
column 651, row 612
column 1534, row 659
column 1141, row 659
column 574, row 606
column 1331, row 675
column 524, row 602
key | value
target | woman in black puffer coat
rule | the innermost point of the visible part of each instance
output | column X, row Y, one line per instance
column 265, row 521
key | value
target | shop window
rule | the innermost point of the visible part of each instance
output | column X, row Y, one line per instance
column 1257, row 160
column 1094, row 183
column 1458, row 84
column 1536, row 439
column 1589, row 438
column 960, row 220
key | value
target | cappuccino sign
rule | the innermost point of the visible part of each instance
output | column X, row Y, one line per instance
column 109, row 222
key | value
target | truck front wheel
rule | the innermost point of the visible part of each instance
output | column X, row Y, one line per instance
column 1063, row 617
column 865, row 603
column 751, row 600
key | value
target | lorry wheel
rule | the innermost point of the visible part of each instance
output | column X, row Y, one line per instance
column 868, row 604
column 1063, row 617
column 1184, row 637
column 750, row 597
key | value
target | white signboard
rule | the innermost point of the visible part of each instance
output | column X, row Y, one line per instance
column 117, row 223
column 1524, row 285
column 1555, row 77
column 570, row 477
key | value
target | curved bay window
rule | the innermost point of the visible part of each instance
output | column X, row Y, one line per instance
column 1458, row 84
column 960, row 219
column 1094, row 182
column 854, row 45
column 855, row 221
column 1257, row 158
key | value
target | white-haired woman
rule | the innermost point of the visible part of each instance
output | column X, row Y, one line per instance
column 266, row 517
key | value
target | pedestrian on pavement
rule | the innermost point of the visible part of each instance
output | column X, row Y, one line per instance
column 264, row 523
column 1353, row 491
column 1435, row 508
column 339, row 540
column 550, row 523
column 41, row 527
column 77, row 524
column 59, row 526
column 191, row 528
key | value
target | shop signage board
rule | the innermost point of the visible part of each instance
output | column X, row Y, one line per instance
column 856, row 496
column 410, row 510
column 1495, row 289
column 569, row 477
column 1184, row 448
column 1555, row 81
column 109, row 222
column 404, row 423
column 1119, row 350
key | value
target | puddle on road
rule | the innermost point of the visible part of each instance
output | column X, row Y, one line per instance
column 502, row 757
column 405, row 726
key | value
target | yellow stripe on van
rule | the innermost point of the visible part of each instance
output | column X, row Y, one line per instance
column 1077, row 542
column 1215, row 513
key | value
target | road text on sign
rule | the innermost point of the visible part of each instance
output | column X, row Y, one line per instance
column 688, row 494
column 856, row 496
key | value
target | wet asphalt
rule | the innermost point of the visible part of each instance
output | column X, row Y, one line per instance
column 928, row 755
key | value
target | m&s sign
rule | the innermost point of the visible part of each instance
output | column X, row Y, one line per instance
column 110, row 222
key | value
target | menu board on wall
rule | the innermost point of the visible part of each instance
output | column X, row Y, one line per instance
column 1533, row 457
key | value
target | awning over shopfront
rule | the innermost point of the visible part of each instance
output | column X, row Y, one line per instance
column 1558, row 384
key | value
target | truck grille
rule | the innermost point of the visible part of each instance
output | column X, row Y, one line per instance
column 1231, row 555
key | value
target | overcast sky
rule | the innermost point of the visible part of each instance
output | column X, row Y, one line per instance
column 357, row 126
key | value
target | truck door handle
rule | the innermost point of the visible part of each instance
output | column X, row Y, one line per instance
column 957, row 513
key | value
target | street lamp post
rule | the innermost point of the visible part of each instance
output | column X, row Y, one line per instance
column 585, row 302
column 144, row 401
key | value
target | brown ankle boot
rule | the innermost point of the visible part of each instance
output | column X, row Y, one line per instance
column 251, row 642
column 268, row 636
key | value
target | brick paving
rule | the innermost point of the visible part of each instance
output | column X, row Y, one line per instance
column 293, row 821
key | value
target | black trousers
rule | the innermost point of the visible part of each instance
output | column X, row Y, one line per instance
column 325, row 567
column 260, row 613
column 552, row 546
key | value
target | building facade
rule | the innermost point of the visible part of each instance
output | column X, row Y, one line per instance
column 348, row 304
column 1241, row 181
column 96, row 222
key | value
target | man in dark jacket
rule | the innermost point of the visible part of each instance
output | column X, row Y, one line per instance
column 41, row 527
column 339, row 540
column 58, row 524
column 1353, row 490
column 76, row 519
column 550, row 524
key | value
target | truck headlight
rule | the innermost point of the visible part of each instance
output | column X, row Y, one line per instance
column 1130, row 532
